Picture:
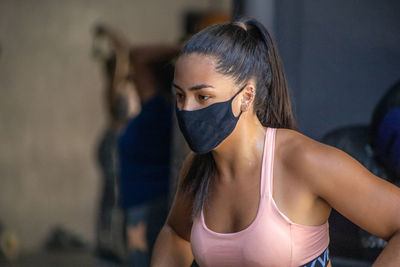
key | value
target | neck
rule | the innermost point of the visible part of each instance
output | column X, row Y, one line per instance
column 241, row 152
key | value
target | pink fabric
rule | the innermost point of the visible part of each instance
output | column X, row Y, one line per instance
column 270, row 240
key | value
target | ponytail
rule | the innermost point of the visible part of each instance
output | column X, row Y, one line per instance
column 274, row 106
column 198, row 178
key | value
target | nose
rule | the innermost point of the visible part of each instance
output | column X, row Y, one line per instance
column 188, row 104
column 185, row 105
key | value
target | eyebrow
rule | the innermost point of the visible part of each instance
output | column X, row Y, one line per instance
column 196, row 87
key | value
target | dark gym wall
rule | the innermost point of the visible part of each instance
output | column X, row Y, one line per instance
column 339, row 57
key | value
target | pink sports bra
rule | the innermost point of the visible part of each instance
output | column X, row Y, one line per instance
column 272, row 239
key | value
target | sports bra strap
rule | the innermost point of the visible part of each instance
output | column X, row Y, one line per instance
column 269, row 160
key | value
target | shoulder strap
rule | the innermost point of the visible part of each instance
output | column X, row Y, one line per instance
column 268, row 163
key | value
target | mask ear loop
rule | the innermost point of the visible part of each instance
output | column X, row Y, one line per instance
column 233, row 97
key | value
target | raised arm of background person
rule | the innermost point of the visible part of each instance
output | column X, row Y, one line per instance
column 134, row 64
column 121, row 47
column 121, row 100
column 347, row 186
column 172, row 247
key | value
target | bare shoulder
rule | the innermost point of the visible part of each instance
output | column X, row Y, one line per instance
column 344, row 183
column 292, row 144
column 307, row 157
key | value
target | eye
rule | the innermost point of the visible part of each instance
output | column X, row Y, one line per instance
column 203, row 97
column 179, row 95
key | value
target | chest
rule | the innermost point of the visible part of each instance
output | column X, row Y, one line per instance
column 264, row 240
column 232, row 207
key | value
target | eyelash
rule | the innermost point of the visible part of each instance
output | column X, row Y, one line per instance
column 201, row 97
column 179, row 95
column 204, row 97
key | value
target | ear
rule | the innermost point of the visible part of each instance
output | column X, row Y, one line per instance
column 248, row 96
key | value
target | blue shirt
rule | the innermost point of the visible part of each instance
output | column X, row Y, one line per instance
column 144, row 148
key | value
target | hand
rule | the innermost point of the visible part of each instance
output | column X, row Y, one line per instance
column 137, row 237
column 100, row 30
column 117, row 39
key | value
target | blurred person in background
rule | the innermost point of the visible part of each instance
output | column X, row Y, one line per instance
column 254, row 191
column 385, row 131
column 144, row 140
column 120, row 105
column 144, row 149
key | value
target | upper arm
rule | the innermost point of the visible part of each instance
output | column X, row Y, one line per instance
column 172, row 247
column 347, row 186
column 180, row 215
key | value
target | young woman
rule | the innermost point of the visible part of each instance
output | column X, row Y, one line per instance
column 256, row 192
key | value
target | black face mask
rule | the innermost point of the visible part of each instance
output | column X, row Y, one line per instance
column 204, row 129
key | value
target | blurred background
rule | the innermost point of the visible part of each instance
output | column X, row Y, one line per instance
column 340, row 59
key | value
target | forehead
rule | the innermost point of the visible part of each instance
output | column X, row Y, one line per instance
column 195, row 68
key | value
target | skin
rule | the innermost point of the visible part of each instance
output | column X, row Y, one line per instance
column 309, row 177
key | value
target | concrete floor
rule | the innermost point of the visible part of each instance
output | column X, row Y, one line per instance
column 53, row 259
